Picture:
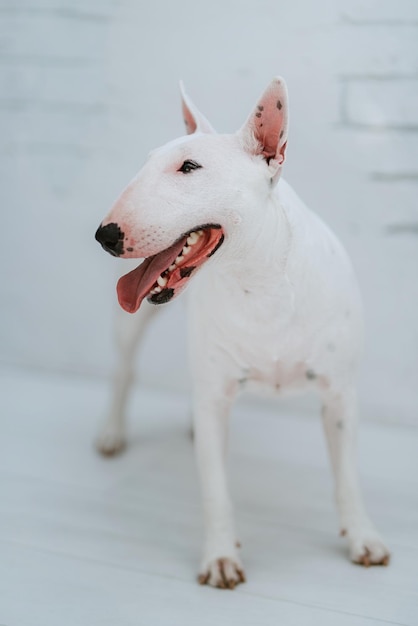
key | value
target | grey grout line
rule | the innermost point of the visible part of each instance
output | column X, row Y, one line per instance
column 239, row 590
column 245, row 517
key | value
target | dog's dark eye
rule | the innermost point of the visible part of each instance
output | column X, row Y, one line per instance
column 189, row 166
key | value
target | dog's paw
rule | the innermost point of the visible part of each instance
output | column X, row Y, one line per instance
column 110, row 441
column 367, row 547
column 223, row 573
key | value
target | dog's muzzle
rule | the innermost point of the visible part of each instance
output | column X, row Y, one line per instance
column 111, row 238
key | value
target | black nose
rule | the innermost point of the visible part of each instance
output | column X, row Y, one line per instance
column 111, row 238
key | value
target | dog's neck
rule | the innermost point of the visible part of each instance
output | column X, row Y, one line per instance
column 257, row 251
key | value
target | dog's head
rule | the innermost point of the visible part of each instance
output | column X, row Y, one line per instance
column 192, row 195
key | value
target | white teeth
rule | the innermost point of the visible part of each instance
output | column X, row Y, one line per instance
column 192, row 238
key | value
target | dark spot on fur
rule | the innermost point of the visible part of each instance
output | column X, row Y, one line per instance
column 161, row 298
column 247, row 291
column 129, row 249
column 340, row 424
column 258, row 114
column 218, row 245
column 279, row 104
column 261, row 125
column 242, row 381
column 185, row 272
column 281, row 134
column 310, row 375
column 260, row 107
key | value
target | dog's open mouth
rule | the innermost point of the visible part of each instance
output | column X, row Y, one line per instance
column 161, row 277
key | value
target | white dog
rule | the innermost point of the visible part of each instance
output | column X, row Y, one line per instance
column 273, row 301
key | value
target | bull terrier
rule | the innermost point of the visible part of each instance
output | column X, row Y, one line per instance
column 273, row 301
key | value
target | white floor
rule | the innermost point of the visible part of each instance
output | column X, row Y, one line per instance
column 86, row 541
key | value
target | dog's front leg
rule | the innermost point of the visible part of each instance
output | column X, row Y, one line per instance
column 339, row 414
column 221, row 566
column 128, row 331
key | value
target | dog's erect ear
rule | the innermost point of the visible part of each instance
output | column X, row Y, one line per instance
column 193, row 118
column 265, row 131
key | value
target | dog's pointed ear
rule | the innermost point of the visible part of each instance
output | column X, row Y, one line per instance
column 265, row 131
column 194, row 120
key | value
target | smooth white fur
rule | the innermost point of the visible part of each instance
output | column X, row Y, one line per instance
column 277, row 307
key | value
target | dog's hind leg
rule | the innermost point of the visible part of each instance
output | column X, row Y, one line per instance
column 339, row 413
column 129, row 330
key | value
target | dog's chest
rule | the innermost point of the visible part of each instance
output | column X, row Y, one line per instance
column 268, row 349
column 256, row 329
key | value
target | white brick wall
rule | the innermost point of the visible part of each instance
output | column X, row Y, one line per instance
column 378, row 71
column 378, row 50
column 380, row 11
column 378, row 75
column 382, row 104
column 87, row 88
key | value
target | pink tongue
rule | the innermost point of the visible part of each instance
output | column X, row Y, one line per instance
column 133, row 287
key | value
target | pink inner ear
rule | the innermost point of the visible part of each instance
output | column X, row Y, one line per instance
column 269, row 122
column 189, row 120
